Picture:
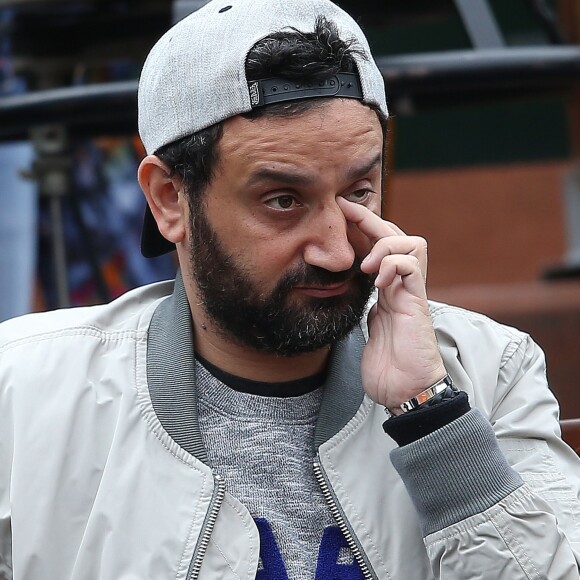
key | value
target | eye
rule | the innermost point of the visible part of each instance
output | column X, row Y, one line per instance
column 283, row 202
column 358, row 196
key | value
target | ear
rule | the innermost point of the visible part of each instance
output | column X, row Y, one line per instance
column 164, row 197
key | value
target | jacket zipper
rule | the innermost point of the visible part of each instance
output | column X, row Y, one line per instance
column 217, row 498
column 344, row 526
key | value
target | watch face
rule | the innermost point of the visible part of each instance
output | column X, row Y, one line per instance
column 443, row 390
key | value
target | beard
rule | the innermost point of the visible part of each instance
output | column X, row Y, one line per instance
column 273, row 322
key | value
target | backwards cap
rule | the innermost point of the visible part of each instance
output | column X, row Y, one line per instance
column 195, row 74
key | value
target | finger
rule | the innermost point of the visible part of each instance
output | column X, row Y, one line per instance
column 372, row 225
column 407, row 268
column 410, row 245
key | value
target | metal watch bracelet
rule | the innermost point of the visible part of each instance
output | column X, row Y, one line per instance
column 442, row 389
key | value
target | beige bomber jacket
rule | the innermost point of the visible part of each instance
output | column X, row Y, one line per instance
column 102, row 472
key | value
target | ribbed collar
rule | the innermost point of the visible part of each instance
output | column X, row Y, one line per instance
column 172, row 383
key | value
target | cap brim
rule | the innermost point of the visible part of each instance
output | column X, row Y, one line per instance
column 153, row 244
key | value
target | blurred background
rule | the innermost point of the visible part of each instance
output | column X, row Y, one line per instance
column 484, row 154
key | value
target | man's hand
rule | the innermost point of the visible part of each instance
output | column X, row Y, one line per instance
column 401, row 358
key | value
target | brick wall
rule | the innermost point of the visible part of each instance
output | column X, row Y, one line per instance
column 492, row 231
column 484, row 225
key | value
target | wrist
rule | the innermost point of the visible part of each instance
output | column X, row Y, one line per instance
column 410, row 427
column 440, row 390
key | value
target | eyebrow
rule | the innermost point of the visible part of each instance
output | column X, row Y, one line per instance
column 354, row 173
column 297, row 178
column 279, row 175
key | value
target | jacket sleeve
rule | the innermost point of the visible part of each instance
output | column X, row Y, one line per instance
column 498, row 493
column 6, row 445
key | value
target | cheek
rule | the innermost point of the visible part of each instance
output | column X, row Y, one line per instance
column 276, row 254
column 265, row 258
column 360, row 243
column 375, row 204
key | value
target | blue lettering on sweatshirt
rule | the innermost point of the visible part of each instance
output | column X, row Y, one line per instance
column 335, row 559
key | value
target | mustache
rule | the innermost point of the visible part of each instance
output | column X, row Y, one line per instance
column 308, row 275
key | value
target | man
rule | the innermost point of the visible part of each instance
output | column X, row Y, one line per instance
column 232, row 425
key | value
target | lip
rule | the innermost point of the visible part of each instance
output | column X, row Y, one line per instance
column 323, row 291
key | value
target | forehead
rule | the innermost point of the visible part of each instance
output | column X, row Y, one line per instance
column 328, row 133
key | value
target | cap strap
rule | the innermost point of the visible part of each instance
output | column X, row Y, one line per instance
column 276, row 90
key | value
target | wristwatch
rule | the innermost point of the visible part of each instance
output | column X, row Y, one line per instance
column 440, row 391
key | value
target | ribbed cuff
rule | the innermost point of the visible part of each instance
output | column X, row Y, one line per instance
column 455, row 472
column 411, row 426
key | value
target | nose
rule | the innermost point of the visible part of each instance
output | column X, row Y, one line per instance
column 328, row 246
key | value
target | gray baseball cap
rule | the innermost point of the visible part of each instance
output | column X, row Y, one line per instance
column 195, row 76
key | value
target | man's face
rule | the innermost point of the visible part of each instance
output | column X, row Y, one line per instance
column 275, row 264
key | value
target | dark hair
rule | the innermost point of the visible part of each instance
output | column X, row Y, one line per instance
column 291, row 54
